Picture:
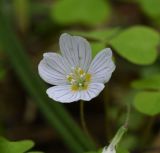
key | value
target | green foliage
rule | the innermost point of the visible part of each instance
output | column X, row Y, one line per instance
column 89, row 12
column 150, row 7
column 148, row 102
column 16, row 146
column 137, row 44
column 151, row 82
column 97, row 47
column 103, row 35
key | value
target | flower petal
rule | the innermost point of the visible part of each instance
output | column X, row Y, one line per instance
column 63, row 94
column 53, row 69
column 93, row 91
column 102, row 66
column 76, row 50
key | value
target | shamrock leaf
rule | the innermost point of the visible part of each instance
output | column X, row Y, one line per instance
column 15, row 146
column 89, row 12
column 103, row 35
column 151, row 82
column 150, row 7
column 137, row 44
column 148, row 102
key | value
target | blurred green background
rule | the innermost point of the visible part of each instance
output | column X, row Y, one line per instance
column 28, row 28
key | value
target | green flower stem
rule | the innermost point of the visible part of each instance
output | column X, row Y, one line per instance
column 82, row 119
column 57, row 116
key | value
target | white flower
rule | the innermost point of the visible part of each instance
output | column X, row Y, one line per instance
column 73, row 73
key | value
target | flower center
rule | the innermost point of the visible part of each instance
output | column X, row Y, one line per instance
column 78, row 79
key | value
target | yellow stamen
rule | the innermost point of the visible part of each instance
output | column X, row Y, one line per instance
column 81, row 72
column 85, row 87
column 69, row 78
column 74, row 88
column 79, row 79
column 88, row 77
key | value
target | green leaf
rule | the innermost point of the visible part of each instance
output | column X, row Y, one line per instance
column 137, row 44
column 151, row 82
column 22, row 146
column 15, row 146
column 90, row 12
column 103, row 35
column 96, row 48
column 150, row 7
column 148, row 102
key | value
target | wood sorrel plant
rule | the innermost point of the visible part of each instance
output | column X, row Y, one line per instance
column 74, row 74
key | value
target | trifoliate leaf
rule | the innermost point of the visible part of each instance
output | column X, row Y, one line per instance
column 89, row 12
column 103, row 35
column 137, row 44
column 150, row 7
column 151, row 82
column 148, row 102
column 15, row 146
